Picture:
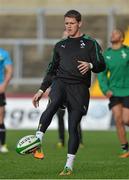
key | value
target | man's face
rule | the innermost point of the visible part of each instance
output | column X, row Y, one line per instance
column 116, row 36
column 72, row 26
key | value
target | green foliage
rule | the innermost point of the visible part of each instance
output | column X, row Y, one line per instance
column 99, row 159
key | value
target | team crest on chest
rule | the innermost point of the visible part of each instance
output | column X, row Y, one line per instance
column 82, row 44
column 123, row 54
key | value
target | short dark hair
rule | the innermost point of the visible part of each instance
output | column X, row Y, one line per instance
column 73, row 14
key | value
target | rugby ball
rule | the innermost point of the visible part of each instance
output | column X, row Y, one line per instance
column 28, row 144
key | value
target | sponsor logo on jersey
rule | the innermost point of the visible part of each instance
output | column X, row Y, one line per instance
column 85, row 108
column 63, row 46
column 108, row 57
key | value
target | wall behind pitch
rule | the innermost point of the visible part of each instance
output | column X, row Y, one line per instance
column 20, row 114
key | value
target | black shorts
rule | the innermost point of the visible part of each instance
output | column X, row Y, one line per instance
column 2, row 99
column 62, row 107
column 73, row 96
column 114, row 100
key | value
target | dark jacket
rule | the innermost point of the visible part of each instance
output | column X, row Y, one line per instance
column 65, row 59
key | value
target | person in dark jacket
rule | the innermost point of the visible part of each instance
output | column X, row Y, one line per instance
column 60, row 118
column 73, row 60
column 114, row 83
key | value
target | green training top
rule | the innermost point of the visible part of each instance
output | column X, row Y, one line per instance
column 116, row 75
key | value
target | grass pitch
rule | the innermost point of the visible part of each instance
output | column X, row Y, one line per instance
column 97, row 160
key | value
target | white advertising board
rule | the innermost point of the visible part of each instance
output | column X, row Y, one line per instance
column 20, row 114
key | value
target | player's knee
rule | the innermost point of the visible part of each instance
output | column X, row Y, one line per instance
column 126, row 121
column 119, row 122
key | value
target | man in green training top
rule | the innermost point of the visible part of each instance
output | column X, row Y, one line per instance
column 114, row 83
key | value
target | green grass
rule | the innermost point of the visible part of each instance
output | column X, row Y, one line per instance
column 97, row 160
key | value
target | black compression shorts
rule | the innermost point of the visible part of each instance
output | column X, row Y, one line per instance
column 114, row 100
column 74, row 96
column 2, row 99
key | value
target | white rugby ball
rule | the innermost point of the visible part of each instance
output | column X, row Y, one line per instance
column 28, row 144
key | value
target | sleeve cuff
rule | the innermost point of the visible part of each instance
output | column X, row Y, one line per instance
column 91, row 65
column 40, row 90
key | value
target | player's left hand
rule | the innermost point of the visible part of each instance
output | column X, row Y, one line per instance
column 83, row 67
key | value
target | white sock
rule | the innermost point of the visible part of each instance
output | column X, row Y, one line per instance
column 70, row 161
column 39, row 135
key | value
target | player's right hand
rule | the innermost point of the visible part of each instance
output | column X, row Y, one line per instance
column 83, row 67
column 109, row 94
column 36, row 98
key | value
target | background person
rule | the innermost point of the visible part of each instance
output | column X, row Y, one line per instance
column 5, row 77
column 116, row 85
column 73, row 59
